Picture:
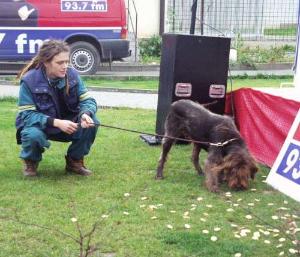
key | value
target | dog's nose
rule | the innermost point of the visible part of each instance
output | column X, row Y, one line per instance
column 242, row 187
column 239, row 186
column 244, row 184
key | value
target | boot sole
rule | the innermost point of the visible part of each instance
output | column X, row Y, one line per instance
column 30, row 175
column 77, row 173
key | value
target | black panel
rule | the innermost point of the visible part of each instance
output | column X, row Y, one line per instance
column 198, row 60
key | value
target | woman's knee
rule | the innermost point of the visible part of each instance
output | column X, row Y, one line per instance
column 32, row 135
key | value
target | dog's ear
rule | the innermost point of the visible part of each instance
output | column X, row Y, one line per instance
column 253, row 171
column 252, row 166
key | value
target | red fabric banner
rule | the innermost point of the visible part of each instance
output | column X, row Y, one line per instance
column 263, row 120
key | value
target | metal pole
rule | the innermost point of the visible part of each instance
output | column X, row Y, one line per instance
column 193, row 20
column 127, row 13
column 173, row 18
column 202, row 18
column 136, row 36
column 162, row 17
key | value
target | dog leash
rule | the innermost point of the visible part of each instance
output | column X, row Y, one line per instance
column 218, row 144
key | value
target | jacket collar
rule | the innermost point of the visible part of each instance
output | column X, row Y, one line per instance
column 58, row 82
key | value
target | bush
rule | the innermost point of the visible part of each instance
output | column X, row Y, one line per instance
column 150, row 47
column 274, row 54
column 150, row 51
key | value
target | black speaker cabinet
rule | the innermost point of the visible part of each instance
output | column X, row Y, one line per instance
column 192, row 67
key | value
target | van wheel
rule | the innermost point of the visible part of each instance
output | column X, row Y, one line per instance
column 84, row 57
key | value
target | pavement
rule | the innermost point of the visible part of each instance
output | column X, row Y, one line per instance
column 104, row 98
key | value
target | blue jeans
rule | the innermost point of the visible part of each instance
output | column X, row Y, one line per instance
column 34, row 141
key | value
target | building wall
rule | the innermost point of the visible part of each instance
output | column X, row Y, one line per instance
column 148, row 17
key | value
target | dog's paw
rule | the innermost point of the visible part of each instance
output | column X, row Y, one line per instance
column 201, row 173
column 159, row 177
column 214, row 189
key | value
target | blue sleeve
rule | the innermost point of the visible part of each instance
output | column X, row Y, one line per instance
column 87, row 103
column 27, row 109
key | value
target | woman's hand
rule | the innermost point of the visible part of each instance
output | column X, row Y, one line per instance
column 86, row 121
column 66, row 126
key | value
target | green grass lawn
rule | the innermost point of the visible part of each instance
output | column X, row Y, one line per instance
column 174, row 217
column 123, row 84
column 153, row 84
column 289, row 31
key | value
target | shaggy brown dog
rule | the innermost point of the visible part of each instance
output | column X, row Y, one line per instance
column 230, row 162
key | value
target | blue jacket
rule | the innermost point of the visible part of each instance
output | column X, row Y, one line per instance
column 39, row 101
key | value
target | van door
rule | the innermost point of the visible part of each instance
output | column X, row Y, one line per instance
column 18, row 14
column 19, row 28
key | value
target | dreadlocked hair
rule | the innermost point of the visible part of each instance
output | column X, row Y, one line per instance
column 67, row 85
column 47, row 51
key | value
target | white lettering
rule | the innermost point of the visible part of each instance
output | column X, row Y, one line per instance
column 296, row 173
column 20, row 42
column 291, row 160
column 34, row 45
column 2, row 35
column 97, row 6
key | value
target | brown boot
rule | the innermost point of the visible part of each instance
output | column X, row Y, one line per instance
column 76, row 166
column 30, row 168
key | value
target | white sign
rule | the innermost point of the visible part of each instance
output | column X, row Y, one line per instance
column 285, row 173
column 183, row 89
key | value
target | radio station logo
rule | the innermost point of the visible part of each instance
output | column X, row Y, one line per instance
column 84, row 6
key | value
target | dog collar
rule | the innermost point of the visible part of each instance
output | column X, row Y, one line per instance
column 220, row 144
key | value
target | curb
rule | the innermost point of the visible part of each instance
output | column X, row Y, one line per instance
column 99, row 89
column 129, row 67
column 123, row 90
column 7, row 83
column 266, row 67
column 144, row 75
